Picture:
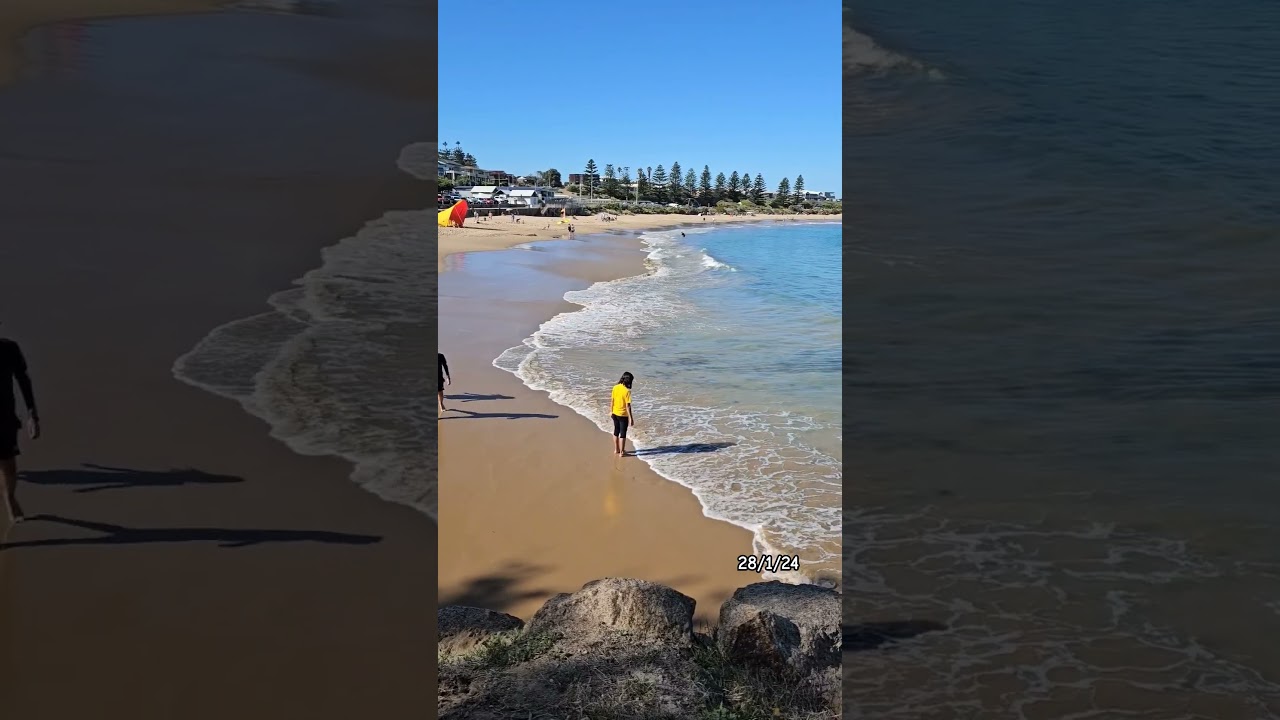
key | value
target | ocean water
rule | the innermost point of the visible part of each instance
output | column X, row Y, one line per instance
column 1064, row 237
column 733, row 336
column 336, row 366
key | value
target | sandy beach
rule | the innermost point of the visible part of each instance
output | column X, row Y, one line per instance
column 499, row 233
column 180, row 562
column 532, row 502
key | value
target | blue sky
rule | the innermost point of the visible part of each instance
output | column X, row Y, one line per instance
column 750, row 86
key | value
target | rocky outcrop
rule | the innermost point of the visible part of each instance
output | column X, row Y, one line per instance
column 779, row 626
column 461, row 628
column 621, row 647
column 640, row 611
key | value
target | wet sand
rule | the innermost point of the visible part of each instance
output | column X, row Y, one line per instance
column 532, row 501
column 187, row 565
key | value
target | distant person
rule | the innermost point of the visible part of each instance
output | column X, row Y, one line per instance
column 682, row 235
column 443, row 372
column 571, row 231
column 13, row 368
column 620, row 411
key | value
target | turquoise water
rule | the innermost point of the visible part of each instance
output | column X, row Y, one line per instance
column 734, row 339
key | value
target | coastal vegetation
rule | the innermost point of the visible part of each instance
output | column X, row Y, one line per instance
column 623, row 648
column 685, row 187
column 664, row 190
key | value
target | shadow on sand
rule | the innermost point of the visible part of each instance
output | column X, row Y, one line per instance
column 468, row 415
column 223, row 537
column 94, row 478
column 681, row 449
column 871, row 636
column 473, row 397
column 498, row 591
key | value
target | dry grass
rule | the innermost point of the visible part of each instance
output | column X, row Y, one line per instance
column 532, row 676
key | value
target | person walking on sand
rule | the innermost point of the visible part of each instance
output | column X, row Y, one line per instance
column 443, row 372
column 620, row 411
column 13, row 368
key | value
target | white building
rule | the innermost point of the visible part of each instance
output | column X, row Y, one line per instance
column 530, row 196
column 487, row 192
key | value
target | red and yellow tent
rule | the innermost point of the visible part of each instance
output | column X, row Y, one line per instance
column 454, row 216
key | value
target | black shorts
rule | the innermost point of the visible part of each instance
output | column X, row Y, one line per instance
column 620, row 423
column 440, row 382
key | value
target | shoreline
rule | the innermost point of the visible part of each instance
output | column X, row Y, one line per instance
column 182, row 560
column 502, row 234
column 604, row 252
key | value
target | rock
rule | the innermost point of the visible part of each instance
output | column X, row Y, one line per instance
column 643, row 611
column 462, row 628
column 782, row 627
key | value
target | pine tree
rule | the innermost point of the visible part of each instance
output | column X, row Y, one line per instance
column 660, row 184
column 459, row 157
column 798, row 193
column 783, row 197
column 720, row 187
column 642, row 184
column 469, row 159
column 588, row 180
column 610, row 185
column 691, row 185
column 675, row 189
column 757, row 189
column 704, row 187
column 735, row 184
column 626, row 190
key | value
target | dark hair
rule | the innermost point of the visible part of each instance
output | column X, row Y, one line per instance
column 626, row 380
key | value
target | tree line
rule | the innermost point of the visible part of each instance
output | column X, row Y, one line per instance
column 685, row 186
column 456, row 154
column 660, row 184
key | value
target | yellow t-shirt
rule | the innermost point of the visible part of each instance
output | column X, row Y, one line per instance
column 621, row 399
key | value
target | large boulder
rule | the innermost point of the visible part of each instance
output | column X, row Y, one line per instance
column 782, row 627
column 462, row 628
column 642, row 611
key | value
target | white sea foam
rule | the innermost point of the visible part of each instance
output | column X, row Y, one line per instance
column 862, row 55
column 713, row 264
column 1079, row 610
column 419, row 160
column 753, row 465
column 331, row 367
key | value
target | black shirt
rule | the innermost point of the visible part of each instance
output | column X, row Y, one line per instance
column 444, row 365
column 13, row 367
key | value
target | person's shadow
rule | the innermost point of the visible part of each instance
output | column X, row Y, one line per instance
column 95, row 478
column 474, row 397
column 469, row 415
column 683, row 449
column 110, row 534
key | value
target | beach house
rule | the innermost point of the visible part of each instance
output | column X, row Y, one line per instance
column 488, row 193
column 531, row 196
column 819, row 195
